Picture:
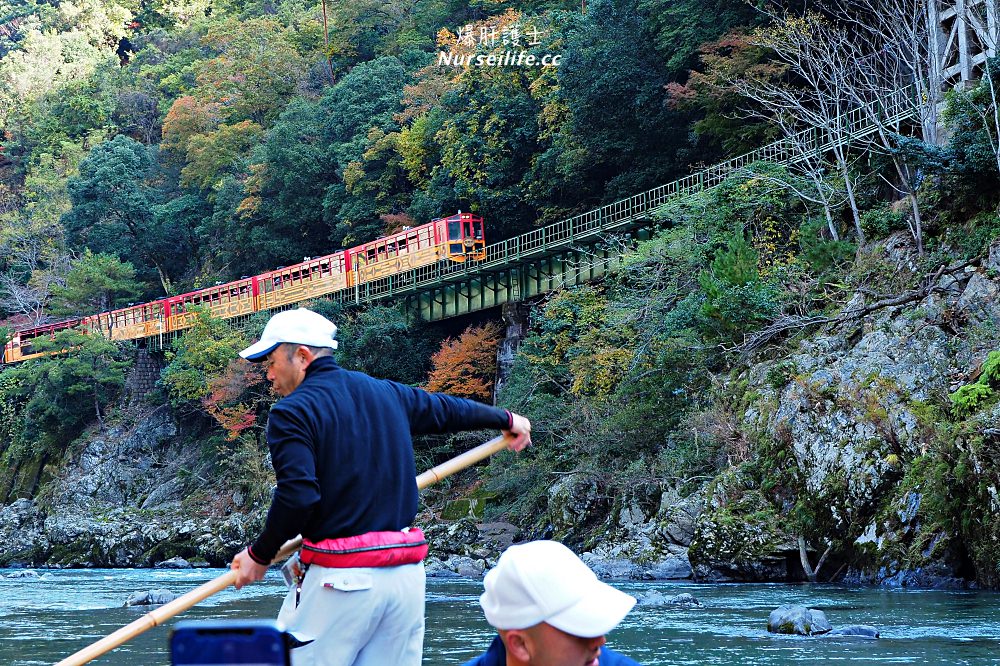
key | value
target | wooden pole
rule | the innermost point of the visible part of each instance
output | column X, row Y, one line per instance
column 160, row 615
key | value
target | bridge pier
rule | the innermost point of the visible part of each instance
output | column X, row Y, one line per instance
column 515, row 316
column 145, row 373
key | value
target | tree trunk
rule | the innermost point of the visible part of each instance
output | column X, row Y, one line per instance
column 849, row 186
column 830, row 223
column 164, row 280
column 97, row 409
column 812, row 574
column 916, row 227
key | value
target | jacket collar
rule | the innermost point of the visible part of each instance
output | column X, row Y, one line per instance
column 321, row 364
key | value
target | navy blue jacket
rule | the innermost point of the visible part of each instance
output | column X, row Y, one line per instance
column 343, row 456
column 497, row 656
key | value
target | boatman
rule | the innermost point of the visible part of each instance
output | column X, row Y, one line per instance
column 550, row 610
column 342, row 453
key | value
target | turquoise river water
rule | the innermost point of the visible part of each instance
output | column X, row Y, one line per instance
column 47, row 618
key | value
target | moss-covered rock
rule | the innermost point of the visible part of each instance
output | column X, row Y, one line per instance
column 741, row 540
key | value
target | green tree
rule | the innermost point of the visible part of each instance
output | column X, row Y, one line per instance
column 279, row 210
column 367, row 98
column 81, row 107
column 113, row 209
column 256, row 71
column 378, row 340
column 206, row 373
column 95, row 283
column 65, row 391
column 487, row 142
column 736, row 299
column 210, row 156
column 6, row 333
column 680, row 27
column 613, row 79
column 201, row 355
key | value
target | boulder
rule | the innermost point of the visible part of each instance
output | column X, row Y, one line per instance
column 657, row 598
column 24, row 573
column 684, row 599
column 647, row 537
column 858, row 630
column 609, row 566
column 574, row 501
column 150, row 598
column 798, row 620
column 173, row 563
column 22, row 534
column 435, row 568
column 466, row 566
column 456, row 537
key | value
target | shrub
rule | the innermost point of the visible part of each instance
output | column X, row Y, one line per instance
column 882, row 221
column 971, row 397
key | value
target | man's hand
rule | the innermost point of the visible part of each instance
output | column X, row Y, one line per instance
column 247, row 571
column 521, row 429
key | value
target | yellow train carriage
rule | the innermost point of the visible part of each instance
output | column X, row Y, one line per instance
column 225, row 301
column 456, row 238
column 309, row 279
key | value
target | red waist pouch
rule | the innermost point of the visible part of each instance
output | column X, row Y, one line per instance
column 372, row 549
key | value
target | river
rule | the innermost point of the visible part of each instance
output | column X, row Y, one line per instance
column 47, row 618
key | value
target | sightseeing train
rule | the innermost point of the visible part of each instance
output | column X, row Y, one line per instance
column 456, row 238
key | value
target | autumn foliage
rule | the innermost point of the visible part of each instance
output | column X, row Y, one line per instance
column 236, row 397
column 466, row 366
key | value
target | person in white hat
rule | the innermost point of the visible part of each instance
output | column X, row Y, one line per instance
column 550, row 610
column 342, row 452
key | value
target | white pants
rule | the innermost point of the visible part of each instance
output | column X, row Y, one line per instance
column 358, row 617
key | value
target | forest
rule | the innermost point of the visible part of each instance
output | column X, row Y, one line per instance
column 152, row 147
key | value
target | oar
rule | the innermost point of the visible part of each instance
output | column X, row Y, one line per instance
column 160, row 615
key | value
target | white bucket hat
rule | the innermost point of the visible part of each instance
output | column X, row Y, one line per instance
column 544, row 581
column 300, row 327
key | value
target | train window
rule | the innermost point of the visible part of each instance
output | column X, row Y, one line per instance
column 370, row 254
column 401, row 245
column 477, row 229
column 391, row 249
column 454, row 229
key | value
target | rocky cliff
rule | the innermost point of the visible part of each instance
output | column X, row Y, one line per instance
column 130, row 495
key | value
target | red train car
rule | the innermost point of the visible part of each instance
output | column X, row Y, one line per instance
column 460, row 237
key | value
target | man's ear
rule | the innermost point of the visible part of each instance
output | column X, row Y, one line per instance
column 518, row 645
column 305, row 355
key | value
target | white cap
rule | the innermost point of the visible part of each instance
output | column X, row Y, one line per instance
column 300, row 327
column 544, row 581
